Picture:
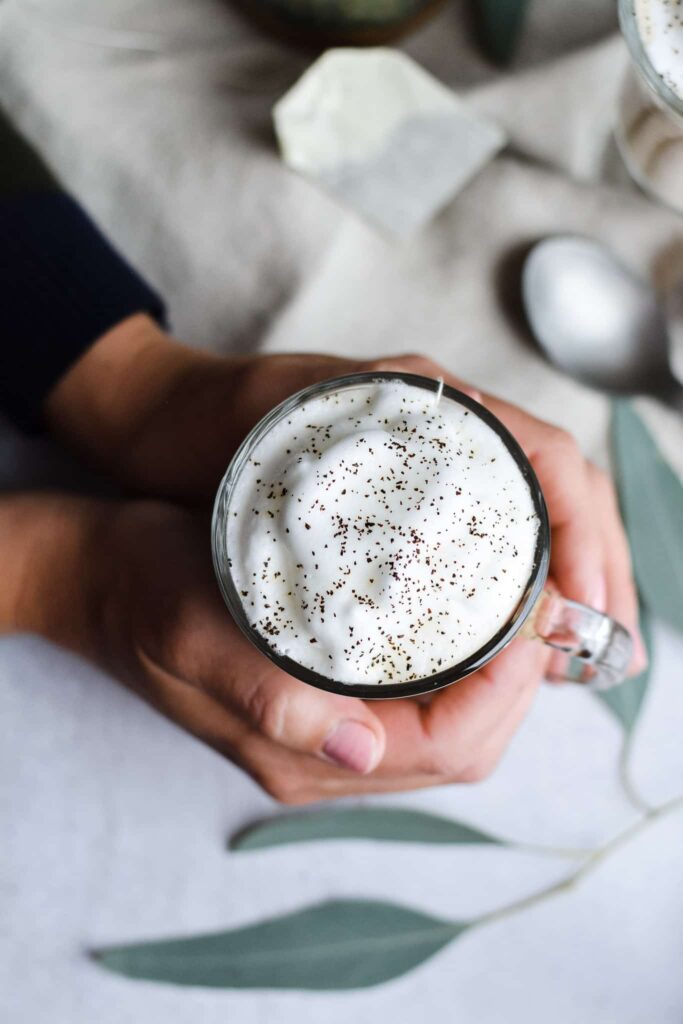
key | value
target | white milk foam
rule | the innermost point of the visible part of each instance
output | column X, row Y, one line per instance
column 660, row 25
column 377, row 536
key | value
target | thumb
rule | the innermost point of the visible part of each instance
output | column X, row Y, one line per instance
column 298, row 716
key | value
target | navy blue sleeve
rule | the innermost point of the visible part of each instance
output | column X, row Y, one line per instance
column 62, row 286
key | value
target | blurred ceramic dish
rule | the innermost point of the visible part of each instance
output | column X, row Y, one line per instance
column 339, row 22
column 593, row 317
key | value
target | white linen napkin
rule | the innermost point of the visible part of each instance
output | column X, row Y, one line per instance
column 156, row 114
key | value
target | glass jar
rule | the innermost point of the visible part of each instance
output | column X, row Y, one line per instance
column 589, row 647
column 649, row 127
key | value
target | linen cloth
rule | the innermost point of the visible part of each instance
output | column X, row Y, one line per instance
column 157, row 117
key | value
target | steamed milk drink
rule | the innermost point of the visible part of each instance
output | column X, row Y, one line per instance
column 381, row 534
column 650, row 123
column 660, row 25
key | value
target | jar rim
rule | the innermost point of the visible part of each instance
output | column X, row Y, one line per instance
column 628, row 21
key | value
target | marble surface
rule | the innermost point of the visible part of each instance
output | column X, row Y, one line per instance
column 114, row 822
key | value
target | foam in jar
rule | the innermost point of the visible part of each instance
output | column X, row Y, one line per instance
column 380, row 534
column 660, row 26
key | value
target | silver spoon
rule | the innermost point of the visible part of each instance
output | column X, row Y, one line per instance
column 595, row 319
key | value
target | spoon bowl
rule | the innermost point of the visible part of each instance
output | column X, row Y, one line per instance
column 594, row 318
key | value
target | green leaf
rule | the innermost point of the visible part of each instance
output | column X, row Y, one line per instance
column 385, row 824
column 625, row 700
column 651, row 498
column 340, row 944
column 499, row 23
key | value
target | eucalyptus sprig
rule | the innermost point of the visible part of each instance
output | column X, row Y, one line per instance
column 342, row 944
column 335, row 945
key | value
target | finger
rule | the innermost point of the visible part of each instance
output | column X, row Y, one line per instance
column 576, row 549
column 299, row 779
column 622, row 596
column 292, row 714
column 561, row 470
column 202, row 645
column 423, row 367
column 286, row 775
column 466, row 768
column 193, row 710
column 295, row 778
column 576, row 555
column 562, row 474
column 442, row 738
column 498, row 692
column 490, row 755
column 222, row 663
column 289, row 712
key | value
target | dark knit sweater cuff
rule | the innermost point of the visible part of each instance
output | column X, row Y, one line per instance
column 62, row 286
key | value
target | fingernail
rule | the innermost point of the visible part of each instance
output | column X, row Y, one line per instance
column 639, row 660
column 352, row 745
column 598, row 598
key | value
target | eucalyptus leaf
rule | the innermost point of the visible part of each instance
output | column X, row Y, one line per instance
column 386, row 824
column 499, row 24
column 340, row 944
column 651, row 496
column 625, row 700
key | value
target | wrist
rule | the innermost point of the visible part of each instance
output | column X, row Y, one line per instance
column 104, row 403
column 164, row 418
column 51, row 585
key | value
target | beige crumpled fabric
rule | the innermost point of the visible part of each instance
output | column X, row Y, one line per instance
column 156, row 115
column 163, row 130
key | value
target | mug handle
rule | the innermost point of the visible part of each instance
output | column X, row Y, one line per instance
column 591, row 648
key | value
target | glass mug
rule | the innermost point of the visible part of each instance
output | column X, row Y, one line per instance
column 589, row 647
column 649, row 126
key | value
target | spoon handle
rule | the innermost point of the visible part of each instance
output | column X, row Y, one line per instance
column 673, row 396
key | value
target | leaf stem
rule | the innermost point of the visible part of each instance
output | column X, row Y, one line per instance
column 593, row 860
column 568, row 852
column 528, row 901
column 627, row 784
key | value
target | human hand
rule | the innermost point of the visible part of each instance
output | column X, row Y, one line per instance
column 146, row 607
column 168, row 636
column 461, row 734
column 130, row 587
column 165, row 419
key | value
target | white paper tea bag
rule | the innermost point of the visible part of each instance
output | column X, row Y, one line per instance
column 383, row 135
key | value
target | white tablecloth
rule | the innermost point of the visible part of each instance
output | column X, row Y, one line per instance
column 113, row 822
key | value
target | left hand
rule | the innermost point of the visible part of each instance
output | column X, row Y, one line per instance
column 165, row 419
